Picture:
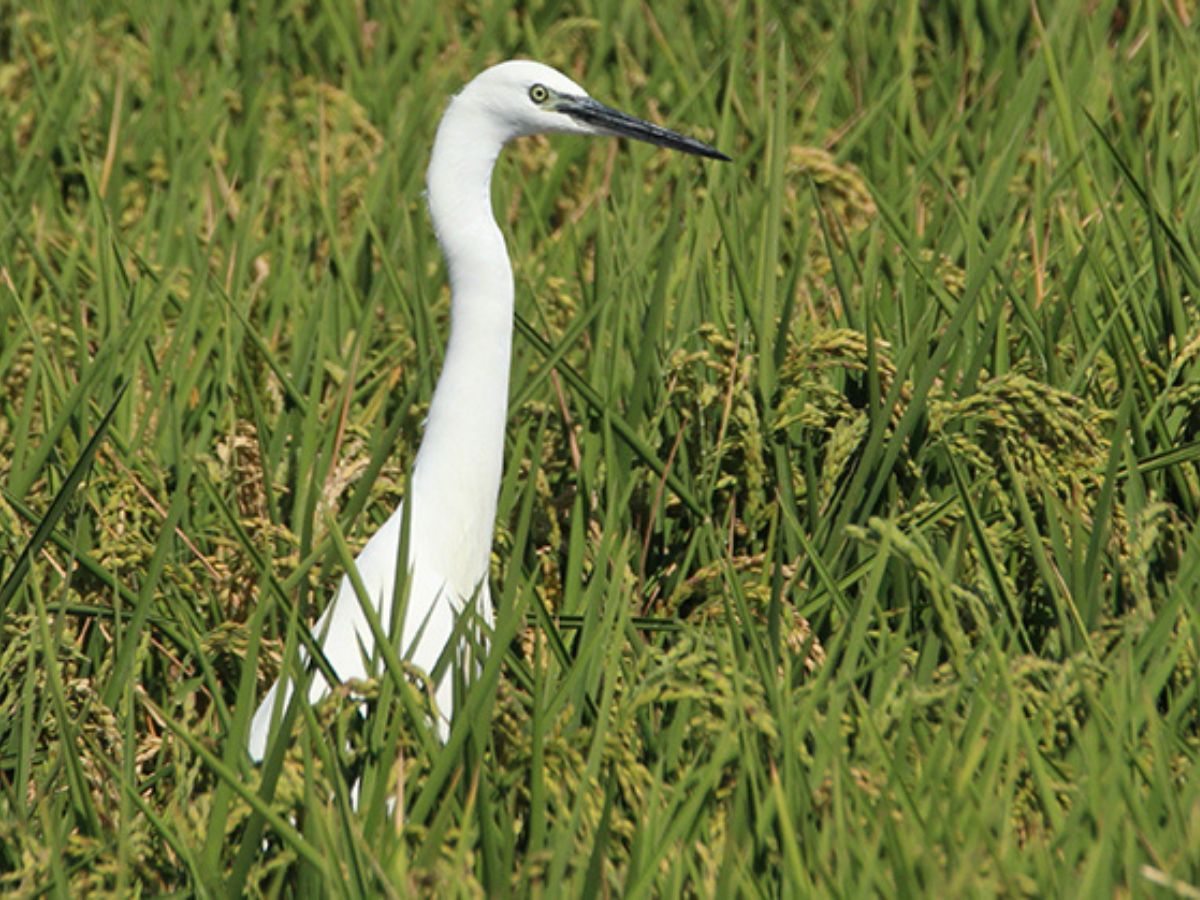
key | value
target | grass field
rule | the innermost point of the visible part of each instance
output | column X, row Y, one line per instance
column 847, row 540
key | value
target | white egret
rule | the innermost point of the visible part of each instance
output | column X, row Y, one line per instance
column 456, row 479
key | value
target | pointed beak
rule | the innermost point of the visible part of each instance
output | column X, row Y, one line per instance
column 611, row 121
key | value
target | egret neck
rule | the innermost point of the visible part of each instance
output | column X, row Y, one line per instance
column 460, row 459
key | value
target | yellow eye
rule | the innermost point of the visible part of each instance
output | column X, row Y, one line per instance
column 539, row 93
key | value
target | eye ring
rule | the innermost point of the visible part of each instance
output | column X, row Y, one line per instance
column 539, row 94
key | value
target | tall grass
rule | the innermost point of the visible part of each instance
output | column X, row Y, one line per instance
column 847, row 538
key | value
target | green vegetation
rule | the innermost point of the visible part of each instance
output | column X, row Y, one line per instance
column 847, row 543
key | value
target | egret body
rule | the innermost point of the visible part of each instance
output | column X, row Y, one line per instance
column 456, row 476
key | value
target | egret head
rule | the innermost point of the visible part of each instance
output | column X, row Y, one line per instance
column 523, row 97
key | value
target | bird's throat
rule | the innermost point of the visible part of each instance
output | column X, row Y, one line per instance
column 458, row 469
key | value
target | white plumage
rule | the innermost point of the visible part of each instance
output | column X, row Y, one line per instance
column 456, row 478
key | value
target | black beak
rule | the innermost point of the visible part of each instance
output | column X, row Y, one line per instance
column 619, row 124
